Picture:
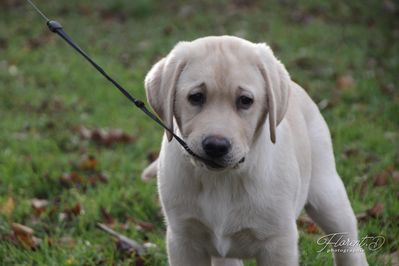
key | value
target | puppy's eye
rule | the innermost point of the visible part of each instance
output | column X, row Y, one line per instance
column 244, row 102
column 196, row 98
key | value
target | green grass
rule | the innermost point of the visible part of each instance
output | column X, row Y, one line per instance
column 318, row 42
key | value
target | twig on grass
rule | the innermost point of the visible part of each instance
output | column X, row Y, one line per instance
column 123, row 240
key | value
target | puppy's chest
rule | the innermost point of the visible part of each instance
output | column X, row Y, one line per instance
column 228, row 222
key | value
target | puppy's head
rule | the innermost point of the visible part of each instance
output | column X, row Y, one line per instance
column 219, row 90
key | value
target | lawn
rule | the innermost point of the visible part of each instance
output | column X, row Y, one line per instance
column 64, row 167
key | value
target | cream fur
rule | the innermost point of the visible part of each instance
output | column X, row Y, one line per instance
column 246, row 210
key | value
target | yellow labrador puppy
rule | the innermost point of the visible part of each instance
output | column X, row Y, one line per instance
column 235, row 104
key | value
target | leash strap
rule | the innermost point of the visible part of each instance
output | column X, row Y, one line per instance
column 56, row 27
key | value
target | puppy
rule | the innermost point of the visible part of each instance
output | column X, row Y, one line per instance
column 234, row 103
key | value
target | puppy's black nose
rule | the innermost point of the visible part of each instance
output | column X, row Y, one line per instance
column 216, row 146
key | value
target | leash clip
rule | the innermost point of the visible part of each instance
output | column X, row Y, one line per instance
column 54, row 25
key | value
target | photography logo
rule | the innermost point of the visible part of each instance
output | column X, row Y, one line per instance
column 340, row 242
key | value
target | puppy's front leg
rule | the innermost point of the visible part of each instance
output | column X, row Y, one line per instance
column 280, row 250
column 182, row 252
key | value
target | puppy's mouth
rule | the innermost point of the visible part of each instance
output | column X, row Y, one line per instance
column 216, row 166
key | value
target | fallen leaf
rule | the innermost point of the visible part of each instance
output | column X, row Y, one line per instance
column 311, row 228
column 25, row 236
column 107, row 217
column 305, row 222
column 39, row 206
column 94, row 179
column 376, row 210
column 345, row 82
column 144, row 226
column 8, row 207
column 72, row 179
column 87, row 163
column 381, row 179
column 106, row 137
column 84, row 132
column 75, row 210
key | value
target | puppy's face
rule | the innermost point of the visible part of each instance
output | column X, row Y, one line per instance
column 219, row 91
column 219, row 104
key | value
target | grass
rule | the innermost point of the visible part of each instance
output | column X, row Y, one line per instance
column 344, row 54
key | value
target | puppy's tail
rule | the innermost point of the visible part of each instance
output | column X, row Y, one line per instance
column 150, row 171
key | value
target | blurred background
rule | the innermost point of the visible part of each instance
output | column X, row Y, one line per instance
column 72, row 147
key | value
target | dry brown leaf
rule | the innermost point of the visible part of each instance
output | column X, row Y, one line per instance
column 71, row 179
column 94, row 179
column 107, row 217
column 305, row 222
column 106, row 137
column 140, row 225
column 345, row 82
column 75, row 210
column 381, row 179
column 84, row 132
column 144, row 226
column 24, row 236
column 311, row 228
column 39, row 206
column 376, row 210
column 88, row 163
column 8, row 207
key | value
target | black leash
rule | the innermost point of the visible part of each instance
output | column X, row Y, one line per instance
column 56, row 27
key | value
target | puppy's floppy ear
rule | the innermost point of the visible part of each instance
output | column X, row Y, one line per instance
column 160, row 86
column 277, row 82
